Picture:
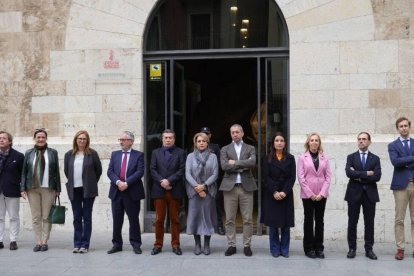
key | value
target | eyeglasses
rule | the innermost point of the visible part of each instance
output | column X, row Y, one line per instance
column 123, row 140
column 82, row 139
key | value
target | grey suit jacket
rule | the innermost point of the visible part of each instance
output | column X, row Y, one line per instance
column 244, row 166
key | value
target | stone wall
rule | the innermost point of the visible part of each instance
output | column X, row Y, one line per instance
column 70, row 65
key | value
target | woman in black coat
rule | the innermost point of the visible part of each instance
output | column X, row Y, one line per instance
column 279, row 215
column 83, row 169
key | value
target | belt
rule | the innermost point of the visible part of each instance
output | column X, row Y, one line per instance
column 237, row 184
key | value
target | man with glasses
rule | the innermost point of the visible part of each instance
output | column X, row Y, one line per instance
column 364, row 171
column 401, row 153
column 125, row 171
column 167, row 171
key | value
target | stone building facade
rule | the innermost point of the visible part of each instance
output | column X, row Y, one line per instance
column 77, row 64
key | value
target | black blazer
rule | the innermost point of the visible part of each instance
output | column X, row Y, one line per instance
column 134, row 173
column 173, row 171
column 358, row 179
column 91, row 172
column 11, row 175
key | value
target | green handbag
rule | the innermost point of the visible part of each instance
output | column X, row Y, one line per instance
column 57, row 213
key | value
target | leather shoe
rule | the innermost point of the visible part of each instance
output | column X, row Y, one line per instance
column 248, row 252
column 114, row 249
column 286, row 255
column 37, row 248
column 44, row 247
column 177, row 251
column 311, row 254
column 370, row 254
column 319, row 254
column 230, row 251
column 137, row 250
column 1, row 245
column 399, row 255
column 13, row 245
column 351, row 254
column 156, row 250
column 220, row 231
column 275, row 255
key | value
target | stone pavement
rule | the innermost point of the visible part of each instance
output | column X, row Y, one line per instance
column 60, row 260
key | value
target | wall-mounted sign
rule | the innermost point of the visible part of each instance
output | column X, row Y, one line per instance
column 155, row 71
column 111, row 63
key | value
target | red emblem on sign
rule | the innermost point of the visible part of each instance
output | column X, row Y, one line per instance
column 111, row 63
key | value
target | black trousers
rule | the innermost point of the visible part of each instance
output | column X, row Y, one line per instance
column 313, row 225
column 121, row 205
column 368, row 209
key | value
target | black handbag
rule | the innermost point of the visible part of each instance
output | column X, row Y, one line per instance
column 57, row 213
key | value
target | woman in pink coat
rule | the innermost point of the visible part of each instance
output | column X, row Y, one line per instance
column 314, row 177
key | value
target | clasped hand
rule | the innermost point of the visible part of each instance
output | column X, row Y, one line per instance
column 279, row 195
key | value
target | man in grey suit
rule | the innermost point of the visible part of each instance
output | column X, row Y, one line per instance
column 238, row 185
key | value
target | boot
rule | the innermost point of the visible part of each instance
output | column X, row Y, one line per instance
column 197, row 248
column 207, row 245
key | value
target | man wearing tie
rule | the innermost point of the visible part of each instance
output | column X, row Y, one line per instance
column 125, row 171
column 167, row 171
column 238, row 185
column 401, row 153
column 364, row 171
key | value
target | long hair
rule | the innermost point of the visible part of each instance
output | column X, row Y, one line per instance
column 307, row 147
column 272, row 150
column 75, row 147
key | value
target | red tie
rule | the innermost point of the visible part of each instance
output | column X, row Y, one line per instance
column 123, row 167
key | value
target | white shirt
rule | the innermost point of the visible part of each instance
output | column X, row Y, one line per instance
column 45, row 181
column 77, row 170
column 408, row 141
column 237, row 148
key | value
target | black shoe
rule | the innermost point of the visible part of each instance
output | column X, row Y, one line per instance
column 44, row 247
column 286, row 255
column 351, row 254
column 156, row 250
column 319, row 254
column 220, row 231
column 275, row 255
column 230, row 251
column 370, row 254
column 137, row 250
column 177, row 251
column 311, row 254
column 114, row 249
column 13, row 245
column 247, row 251
column 1, row 245
column 37, row 248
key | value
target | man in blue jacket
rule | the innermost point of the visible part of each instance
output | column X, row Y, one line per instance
column 401, row 153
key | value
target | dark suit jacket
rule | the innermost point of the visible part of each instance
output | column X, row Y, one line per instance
column 244, row 166
column 358, row 178
column 403, row 164
column 91, row 172
column 173, row 171
column 11, row 174
column 134, row 173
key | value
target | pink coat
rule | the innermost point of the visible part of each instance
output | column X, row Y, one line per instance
column 314, row 182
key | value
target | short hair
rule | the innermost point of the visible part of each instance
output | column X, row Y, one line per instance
column 307, row 147
column 203, row 135
column 168, row 131
column 75, row 147
column 39, row 130
column 9, row 136
column 364, row 132
column 238, row 126
column 399, row 120
column 129, row 134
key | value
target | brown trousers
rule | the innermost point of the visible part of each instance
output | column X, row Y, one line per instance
column 160, row 212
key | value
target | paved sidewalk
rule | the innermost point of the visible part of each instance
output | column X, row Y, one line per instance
column 60, row 260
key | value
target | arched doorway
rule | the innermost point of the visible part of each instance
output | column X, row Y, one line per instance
column 215, row 63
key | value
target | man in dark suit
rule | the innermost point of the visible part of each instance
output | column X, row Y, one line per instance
column 401, row 153
column 215, row 148
column 237, row 161
column 11, row 165
column 125, row 171
column 167, row 171
column 364, row 171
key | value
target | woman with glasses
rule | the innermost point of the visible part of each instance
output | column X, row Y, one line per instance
column 40, row 183
column 82, row 169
